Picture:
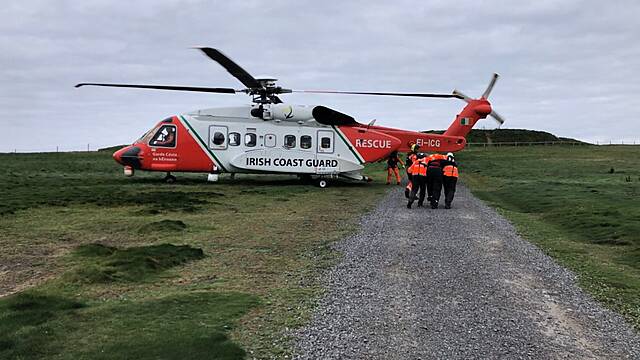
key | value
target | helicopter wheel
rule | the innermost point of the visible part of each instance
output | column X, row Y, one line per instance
column 322, row 183
column 169, row 179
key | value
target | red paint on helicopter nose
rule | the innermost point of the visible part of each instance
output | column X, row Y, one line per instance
column 117, row 156
column 129, row 156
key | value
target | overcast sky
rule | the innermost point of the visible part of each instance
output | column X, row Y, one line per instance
column 568, row 67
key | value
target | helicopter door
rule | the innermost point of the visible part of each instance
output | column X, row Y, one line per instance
column 325, row 141
column 218, row 137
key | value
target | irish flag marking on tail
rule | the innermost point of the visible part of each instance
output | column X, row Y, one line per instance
column 465, row 121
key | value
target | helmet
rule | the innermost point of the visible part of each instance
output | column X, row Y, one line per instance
column 450, row 155
column 415, row 147
column 420, row 155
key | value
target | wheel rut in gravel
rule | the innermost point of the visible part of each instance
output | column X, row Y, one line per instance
column 458, row 283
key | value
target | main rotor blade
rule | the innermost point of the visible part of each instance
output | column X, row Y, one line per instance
column 462, row 96
column 497, row 117
column 164, row 87
column 486, row 93
column 233, row 68
column 425, row 95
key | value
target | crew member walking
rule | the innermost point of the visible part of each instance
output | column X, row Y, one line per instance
column 449, row 179
column 411, row 158
column 419, row 177
column 434, row 178
column 392, row 167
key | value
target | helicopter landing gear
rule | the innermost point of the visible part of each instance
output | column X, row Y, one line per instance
column 322, row 183
column 169, row 179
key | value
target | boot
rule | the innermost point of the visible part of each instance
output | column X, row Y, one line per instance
column 434, row 204
column 409, row 205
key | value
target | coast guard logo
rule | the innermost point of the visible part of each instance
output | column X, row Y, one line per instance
column 288, row 112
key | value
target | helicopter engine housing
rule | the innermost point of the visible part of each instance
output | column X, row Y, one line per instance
column 286, row 112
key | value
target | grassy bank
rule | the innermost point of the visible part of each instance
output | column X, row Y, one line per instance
column 579, row 204
column 95, row 265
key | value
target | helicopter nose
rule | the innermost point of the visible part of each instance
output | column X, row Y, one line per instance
column 128, row 156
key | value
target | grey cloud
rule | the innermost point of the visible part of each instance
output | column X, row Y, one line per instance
column 569, row 67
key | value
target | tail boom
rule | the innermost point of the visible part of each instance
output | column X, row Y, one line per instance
column 426, row 141
column 468, row 117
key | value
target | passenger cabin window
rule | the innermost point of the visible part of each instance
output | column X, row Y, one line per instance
column 234, row 139
column 250, row 140
column 305, row 142
column 218, row 138
column 289, row 141
column 270, row 140
column 325, row 143
column 164, row 137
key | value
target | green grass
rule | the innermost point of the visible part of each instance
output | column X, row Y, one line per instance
column 103, row 266
column 567, row 200
column 98, row 263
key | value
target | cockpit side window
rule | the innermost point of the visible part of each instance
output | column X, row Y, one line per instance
column 165, row 136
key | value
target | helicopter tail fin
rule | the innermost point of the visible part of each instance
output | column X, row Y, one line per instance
column 475, row 110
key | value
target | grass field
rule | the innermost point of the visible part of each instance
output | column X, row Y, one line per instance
column 580, row 204
column 96, row 265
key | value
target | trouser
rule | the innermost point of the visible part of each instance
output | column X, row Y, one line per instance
column 449, row 183
column 434, row 184
column 419, row 183
column 391, row 171
column 407, row 189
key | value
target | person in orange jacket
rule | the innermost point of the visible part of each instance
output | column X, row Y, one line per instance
column 419, row 176
column 411, row 158
column 434, row 178
column 392, row 167
column 449, row 179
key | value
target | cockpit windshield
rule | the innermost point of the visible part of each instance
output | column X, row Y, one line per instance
column 146, row 137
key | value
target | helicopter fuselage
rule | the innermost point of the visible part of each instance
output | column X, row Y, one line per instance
column 231, row 140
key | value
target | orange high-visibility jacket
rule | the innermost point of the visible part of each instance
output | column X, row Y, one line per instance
column 436, row 157
column 450, row 170
column 419, row 167
column 434, row 161
column 413, row 158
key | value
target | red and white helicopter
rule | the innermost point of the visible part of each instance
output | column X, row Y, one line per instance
column 270, row 136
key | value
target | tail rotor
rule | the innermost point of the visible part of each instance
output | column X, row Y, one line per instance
column 485, row 95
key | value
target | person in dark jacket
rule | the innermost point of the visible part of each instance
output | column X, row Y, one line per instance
column 392, row 167
column 449, row 179
column 434, row 178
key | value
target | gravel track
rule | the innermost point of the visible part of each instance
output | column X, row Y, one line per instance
column 411, row 285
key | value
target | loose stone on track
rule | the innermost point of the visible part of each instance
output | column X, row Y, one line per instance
column 459, row 283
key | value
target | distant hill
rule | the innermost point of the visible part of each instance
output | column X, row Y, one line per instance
column 112, row 148
column 509, row 135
